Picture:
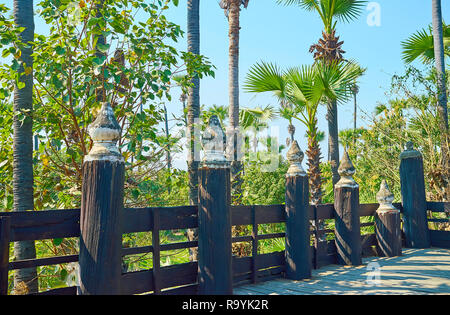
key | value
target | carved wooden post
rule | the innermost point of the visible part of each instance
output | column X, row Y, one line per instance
column 387, row 224
column 415, row 224
column 5, row 231
column 215, row 274
column 347, row 224
column 298, row 260
column 102, row 208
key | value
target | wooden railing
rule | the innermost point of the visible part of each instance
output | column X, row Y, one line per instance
column 309, row 242
column 182, row 278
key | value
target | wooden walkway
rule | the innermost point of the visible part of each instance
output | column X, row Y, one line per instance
column 417, row 271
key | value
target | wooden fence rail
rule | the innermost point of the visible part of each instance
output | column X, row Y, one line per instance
column 309, row 242
column 39, row 225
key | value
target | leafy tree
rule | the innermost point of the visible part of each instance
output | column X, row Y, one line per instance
column 134, row 73
column 411, row 114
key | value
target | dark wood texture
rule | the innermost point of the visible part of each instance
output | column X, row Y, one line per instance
column 347, row 225
column 389, row 238
column 414, row 203
column 38, row 225
column 438, row 206
column 440, row 239
column 156, row 252
column 182, row 279
column 215, row 274
column 170, row 276
column 5, row 228
column 100, row 226
column 298, row 260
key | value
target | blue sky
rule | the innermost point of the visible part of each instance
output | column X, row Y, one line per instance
column 281, row 34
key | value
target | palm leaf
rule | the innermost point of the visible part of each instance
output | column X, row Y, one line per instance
column 420, row 45
column 343, row 10
column 265, row 77
column 348, row 10
column 309, row 5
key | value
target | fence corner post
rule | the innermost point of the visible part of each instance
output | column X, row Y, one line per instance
column 102, row 209
column 347, row 220
column 215, row 273
column 414, row 203
column 5, row 228
column 298, row 260
column 387, row 224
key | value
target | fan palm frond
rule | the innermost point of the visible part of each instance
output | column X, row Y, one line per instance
column 420, row 45
column 342, row 10
column 266, row 77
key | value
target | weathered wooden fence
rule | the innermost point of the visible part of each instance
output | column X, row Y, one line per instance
column 309, row 243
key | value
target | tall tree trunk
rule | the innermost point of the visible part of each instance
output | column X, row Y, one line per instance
column 25, row 280
column 233, row 93
column 166, row 125
column 333, row 140
column 100, row 93
column 193, row 103
column 442, row 92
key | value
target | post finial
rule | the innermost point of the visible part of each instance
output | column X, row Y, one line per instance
column 295, row 158
column 105, row 132
column 385, row 198
column 346, row 171
column 409, row 151
column 214, row 143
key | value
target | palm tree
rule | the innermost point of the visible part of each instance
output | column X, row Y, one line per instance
column 25, row 280
column 304, row 89
column 193, row 101
column 329, row 49
column 441, row 85
column 440, row 61
column 232, row 11
column 193, row 105
column 429, row 46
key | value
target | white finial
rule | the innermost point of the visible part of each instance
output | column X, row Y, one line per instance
column 346, row 171
column 213, row 143
column 295, row 158
column 105, row 132
column 385, row 198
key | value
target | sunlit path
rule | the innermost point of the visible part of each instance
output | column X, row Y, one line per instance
column 417, row 271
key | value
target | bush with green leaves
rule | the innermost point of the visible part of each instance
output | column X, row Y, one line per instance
column 97, row 51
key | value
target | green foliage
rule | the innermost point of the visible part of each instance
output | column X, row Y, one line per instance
column 264, row 188
column 410, row 115
column 420, row 45
column 94, row 54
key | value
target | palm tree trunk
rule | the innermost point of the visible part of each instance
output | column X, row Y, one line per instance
column 233, row 92
column 442, row 92
column 25, row 280
column 193, row 103
column 333, row 140
column 440, row 62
